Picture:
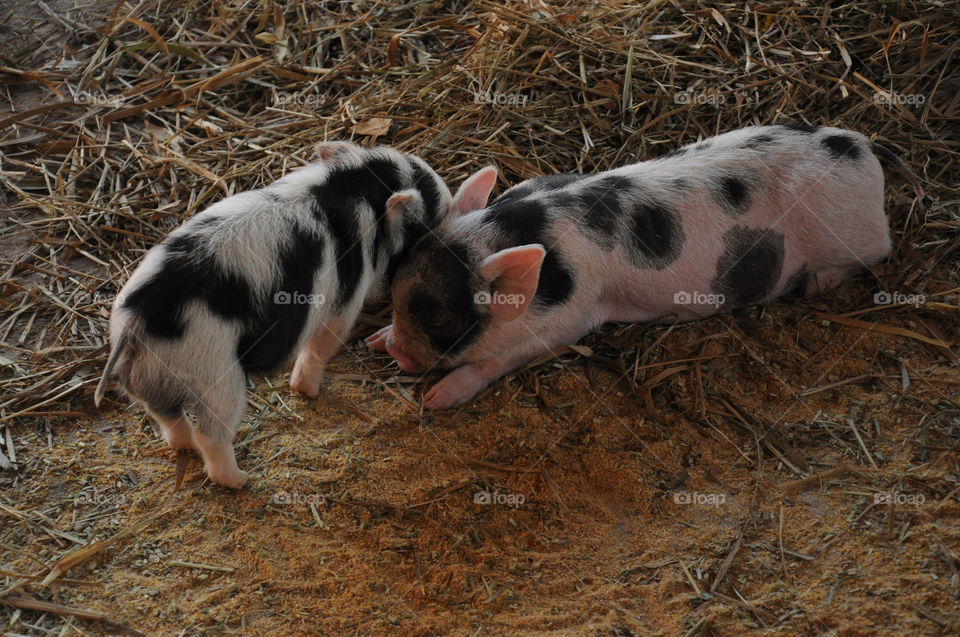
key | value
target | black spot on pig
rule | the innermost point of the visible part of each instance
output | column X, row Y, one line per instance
column 440, row 303
column 556, row 281
column 426, row 183
column 797, row 283
column 524, row 222
column 340, row 200
column 702, row 146
column 413, row 229
column 189, row 272
column 759, row 141
column 733, row 194
column 268, row 339
column 656, row 235
column 842, row 147
column 750, row 265
column 600, row 201
column 520, row 221
column 537, row 184
column 680, row 183
column 801, row 128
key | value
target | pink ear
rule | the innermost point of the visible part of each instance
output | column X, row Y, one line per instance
column 330, row 151
column 474, row 192
column 514, row 274
column 402, row 203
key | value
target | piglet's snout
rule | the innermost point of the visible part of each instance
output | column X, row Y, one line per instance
column 406, row 362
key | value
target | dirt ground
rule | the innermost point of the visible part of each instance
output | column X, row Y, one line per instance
column 790, row 469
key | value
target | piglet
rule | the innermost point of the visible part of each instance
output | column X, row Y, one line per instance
column 262, row 276
column 737, row 219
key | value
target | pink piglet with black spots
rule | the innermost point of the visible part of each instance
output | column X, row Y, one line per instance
column 738, row 219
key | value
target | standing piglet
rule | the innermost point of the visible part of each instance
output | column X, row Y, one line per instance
column 737, row 219
column 262, row 276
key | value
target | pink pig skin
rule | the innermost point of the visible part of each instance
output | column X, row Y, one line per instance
column 738, row 219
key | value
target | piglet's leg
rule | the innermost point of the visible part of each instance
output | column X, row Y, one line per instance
column 466, row 381
column 219, row 414
column 828, row 278
column 463, row 383
column 378, row 340
column 322, row 345
column 175, row 429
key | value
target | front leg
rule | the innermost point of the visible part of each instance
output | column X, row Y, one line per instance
column 466, row 381
column 378, row 340
column 322, row 345
column 463, row 383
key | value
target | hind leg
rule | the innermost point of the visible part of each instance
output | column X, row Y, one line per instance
column 323, row 344
column 828, row 278
column 218, row 415
column 174, row 427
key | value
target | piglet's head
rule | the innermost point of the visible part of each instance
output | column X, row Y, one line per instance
column 449, row 293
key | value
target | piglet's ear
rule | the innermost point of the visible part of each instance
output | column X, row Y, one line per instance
column 331, row 151
column 513, row 274
column 474, row 192
column 404, row 204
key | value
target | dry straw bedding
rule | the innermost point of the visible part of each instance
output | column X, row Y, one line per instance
column 123, row 121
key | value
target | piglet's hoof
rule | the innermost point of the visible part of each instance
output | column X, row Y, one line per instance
column 231, row 479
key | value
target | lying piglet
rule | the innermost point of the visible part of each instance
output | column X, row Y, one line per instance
column 263, row 275
column 738, row 219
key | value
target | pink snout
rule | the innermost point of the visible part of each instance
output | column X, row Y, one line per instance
column 406, row 362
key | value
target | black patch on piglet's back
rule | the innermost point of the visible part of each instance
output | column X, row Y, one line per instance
column 524, row 222
column 656, row 235
column 750, row 265
column 759, row 141
column 732, row 193
column 600, row 202
column 269, row 337
column 338, row 202
column 537, row 184
column 842, row 147
column 188, row 273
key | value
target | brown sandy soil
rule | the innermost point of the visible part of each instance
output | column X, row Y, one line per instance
column 786, row 470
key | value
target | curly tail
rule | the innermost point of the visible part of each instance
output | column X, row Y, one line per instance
column 890, row 156
column 108, row 370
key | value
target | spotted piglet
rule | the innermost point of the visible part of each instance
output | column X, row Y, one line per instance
column 737, row 219
column 262, row 276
